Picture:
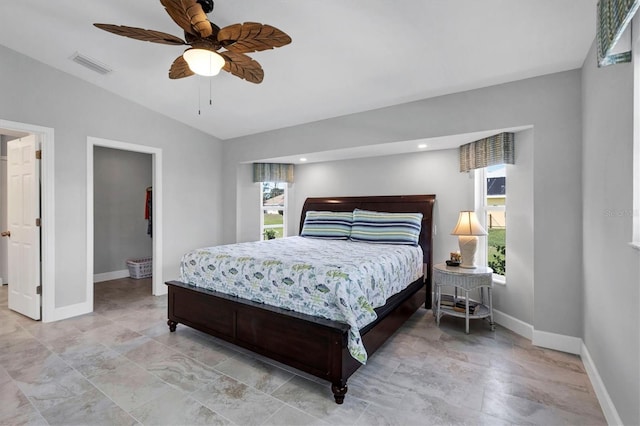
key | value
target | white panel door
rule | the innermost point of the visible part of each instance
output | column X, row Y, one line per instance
column 23, row 197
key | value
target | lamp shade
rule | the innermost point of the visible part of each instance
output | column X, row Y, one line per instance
column 468, row 224
column 203, row 62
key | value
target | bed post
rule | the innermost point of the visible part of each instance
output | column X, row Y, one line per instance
column 339, row 390
column 426, row 242
column 428, row 297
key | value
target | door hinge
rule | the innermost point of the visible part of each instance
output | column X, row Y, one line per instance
column 39, row 289
column 37, row 221
column 39, row 154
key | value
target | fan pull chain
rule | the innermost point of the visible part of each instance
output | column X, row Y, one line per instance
column 200, row 94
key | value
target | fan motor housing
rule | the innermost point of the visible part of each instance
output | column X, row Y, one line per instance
column 207, row 5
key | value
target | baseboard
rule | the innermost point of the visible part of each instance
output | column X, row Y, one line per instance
column 543, row 339
column 558, row 342
column 513, row 324
column 608, row 409
column 108, row 276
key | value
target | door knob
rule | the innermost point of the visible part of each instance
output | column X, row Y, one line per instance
column 6, row 233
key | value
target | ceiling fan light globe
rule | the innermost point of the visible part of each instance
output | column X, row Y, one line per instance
column 203, row 62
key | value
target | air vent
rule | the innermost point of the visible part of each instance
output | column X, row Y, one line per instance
column 90, row 63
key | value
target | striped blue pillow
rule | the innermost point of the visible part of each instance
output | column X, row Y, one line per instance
column 388, row 228
column 325, row 224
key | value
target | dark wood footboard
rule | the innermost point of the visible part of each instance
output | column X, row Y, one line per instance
column 314, row 345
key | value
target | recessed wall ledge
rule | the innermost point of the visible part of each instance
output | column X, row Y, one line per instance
column 635, row 245
column 499, row 279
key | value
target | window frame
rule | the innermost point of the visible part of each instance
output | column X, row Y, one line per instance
column 284, row 210
column 480, row 184
column 635, row 232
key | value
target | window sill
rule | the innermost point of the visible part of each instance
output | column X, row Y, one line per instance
column 499, row 279
column 635, row 245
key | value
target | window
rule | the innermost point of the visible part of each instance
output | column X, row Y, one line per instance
column 492, row 212
column 273, row 205
column 635, row 236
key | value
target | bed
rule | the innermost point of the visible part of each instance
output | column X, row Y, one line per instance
column 316, row 345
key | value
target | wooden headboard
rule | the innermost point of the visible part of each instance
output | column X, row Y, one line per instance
column 385, row 203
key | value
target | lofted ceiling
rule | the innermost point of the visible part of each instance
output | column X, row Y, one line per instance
column 346, row 56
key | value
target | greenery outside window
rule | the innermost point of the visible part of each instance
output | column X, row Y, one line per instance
column 492, row 213
column 273, row 197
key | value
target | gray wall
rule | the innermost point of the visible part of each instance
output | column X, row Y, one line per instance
column 120, row 229
column 551, row 104
column 434, row 172
column 611, row 266
column 517, row 296
column 40, row 95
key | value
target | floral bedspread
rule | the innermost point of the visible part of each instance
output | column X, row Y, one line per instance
column 334, row 279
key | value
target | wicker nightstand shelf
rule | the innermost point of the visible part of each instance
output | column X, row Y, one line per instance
column 465, row 280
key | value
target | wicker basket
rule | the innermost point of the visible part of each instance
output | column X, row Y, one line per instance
column 140, row 268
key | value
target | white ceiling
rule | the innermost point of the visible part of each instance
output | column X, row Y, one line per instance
column 346, row 56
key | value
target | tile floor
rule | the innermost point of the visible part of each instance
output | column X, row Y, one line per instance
column 120, row 365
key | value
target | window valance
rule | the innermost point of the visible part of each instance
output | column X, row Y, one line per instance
column 272, row 172
column 497, row 149
column 613, row 18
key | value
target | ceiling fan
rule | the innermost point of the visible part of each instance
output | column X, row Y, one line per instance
column 206, row 39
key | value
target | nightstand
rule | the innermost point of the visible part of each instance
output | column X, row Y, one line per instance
column 466, row 280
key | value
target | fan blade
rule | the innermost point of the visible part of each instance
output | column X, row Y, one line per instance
column 141, row 34
column 252, row 37
column 243, row 66
column 180, row 69
column 188, row 14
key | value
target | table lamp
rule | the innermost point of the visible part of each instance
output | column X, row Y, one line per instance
column 467, row 230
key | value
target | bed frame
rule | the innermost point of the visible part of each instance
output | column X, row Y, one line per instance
column 315, row 345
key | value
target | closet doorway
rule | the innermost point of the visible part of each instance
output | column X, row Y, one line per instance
column 121, row 225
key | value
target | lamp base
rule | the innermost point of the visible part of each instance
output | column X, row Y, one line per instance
column 468, row 246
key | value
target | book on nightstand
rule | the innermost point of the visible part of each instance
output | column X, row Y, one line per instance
column 460, row 306
column 447, row 300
